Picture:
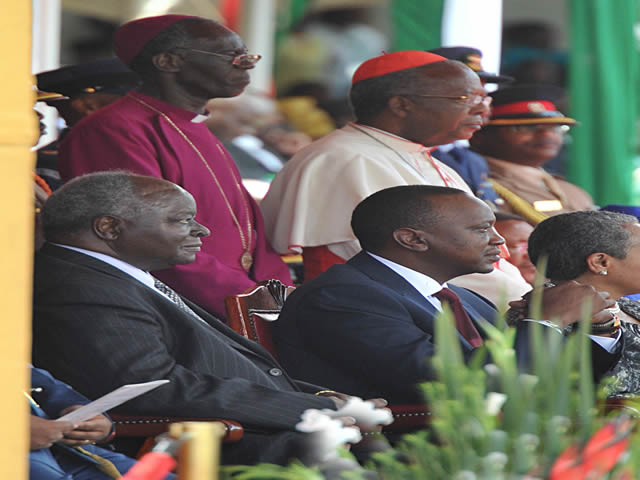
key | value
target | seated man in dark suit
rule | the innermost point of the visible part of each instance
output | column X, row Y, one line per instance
column 368, row 326
column 61, row 450
column 101, row 320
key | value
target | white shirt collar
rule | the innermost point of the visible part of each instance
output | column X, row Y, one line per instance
column 199, row 118
column 135, row 272
column 426, row 285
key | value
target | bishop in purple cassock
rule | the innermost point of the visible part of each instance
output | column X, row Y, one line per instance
column 157, row 130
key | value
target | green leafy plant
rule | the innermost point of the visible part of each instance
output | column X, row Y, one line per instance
column 491, row 421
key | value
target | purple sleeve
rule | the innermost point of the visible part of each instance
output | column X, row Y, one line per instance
column 109, row 145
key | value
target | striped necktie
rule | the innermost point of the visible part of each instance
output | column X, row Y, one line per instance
column 175, row 298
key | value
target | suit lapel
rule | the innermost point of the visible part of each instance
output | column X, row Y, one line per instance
column 384, row 275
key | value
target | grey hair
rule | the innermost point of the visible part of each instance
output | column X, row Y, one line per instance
column 370, row 97
column 73, row 208
column 569, row 238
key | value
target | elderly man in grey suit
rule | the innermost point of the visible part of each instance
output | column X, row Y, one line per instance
column 101, row 320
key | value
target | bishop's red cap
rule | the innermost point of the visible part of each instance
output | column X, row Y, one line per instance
column 394, row 62
column 130, row 38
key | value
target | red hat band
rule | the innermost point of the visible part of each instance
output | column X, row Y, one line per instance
column 527, row 107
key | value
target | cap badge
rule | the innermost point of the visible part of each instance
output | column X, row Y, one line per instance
column 473, row 61
column 536, row 107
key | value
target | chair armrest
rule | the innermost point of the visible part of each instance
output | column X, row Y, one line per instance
column 147, row 426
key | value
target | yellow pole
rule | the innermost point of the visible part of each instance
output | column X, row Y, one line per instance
column 17, row 133
column 199, row 456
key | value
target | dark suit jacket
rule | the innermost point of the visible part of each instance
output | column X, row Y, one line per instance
column 361, row 328
column 52, row 395
column 97, row 328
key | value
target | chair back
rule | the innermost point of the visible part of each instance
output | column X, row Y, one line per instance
column 252, row 312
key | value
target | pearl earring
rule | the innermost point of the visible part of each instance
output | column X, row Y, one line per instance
column 603, row 272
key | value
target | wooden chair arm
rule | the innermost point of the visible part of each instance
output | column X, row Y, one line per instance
column 148, row 426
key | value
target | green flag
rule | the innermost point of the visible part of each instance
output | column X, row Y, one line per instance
column 416, row 25
column 603, row 84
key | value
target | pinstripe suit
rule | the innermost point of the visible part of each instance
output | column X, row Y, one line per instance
column 96, row 328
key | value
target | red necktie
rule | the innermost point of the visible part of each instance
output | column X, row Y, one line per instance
column 464, row 325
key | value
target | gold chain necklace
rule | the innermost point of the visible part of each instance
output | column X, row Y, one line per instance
column 246, row 259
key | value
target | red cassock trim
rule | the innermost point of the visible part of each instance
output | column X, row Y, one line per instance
column 317, row 260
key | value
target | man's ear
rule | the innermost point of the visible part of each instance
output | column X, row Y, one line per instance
column 107, row 228
column 598, row 262
column 167, row 62
column 411, row 239
column 400, row 106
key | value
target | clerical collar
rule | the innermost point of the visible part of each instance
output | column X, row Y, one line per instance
column 200, row 118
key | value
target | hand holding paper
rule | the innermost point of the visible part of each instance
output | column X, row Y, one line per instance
column 110, row 400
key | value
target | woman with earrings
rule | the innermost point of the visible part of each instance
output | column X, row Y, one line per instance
column 601, row 249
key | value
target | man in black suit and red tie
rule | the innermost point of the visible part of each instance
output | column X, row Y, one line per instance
column 101, row 320
column 368, row 326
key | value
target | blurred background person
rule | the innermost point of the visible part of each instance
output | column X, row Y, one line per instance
column 525, row 131
column 257, row 136
column 78, row 91
column 326, row 47
column 516, row 230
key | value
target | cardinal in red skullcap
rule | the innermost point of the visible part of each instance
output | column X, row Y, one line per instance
column 405, row 103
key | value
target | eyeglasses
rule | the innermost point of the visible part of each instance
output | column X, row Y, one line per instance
column 244, row 60
column 532, row 129
column 469, row 100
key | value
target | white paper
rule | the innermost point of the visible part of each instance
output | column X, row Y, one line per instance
column 110, row 400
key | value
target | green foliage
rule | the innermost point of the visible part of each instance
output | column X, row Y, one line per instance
column 267, row 471
column 543, row 413
column 490, row 421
